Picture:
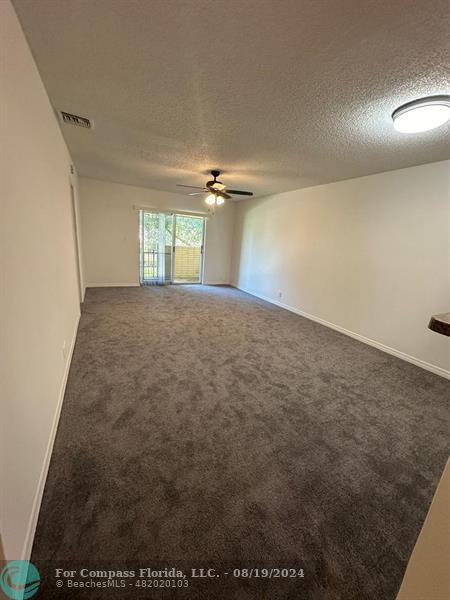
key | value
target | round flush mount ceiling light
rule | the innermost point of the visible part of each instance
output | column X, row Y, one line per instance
column 422, row 115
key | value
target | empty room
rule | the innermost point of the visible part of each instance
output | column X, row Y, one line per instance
column 225, row 299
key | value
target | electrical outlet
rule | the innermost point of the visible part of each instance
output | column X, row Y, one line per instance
column 280, row 294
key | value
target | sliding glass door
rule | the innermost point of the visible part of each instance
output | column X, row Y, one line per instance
column 187, row 249
column 171, row 248
column 156, row 235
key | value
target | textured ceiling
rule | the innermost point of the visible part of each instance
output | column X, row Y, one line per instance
column 279, row 94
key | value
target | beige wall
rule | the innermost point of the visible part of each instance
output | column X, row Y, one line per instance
column 109, row 231
column 369, row 255
column 39, row 303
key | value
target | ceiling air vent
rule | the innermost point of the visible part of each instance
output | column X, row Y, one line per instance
column 75, row 120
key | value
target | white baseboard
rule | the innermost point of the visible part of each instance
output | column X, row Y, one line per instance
column 407, row 357
column 31, row 530
column 93, row 285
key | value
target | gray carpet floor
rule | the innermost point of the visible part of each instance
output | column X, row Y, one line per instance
column 203, row 425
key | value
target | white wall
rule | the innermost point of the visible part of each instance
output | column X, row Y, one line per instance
column 370, row 255
column 76, row 221
column 39, row 299
column 109, row 231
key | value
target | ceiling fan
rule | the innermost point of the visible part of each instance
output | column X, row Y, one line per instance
column 216, row 190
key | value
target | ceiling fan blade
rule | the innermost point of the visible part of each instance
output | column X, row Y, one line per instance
column 196, row 193
column 240, row 192
column 224, row 195
column 196, row 187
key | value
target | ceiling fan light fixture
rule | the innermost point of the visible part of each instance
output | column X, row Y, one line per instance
column 217, row 194
column 422, row 115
